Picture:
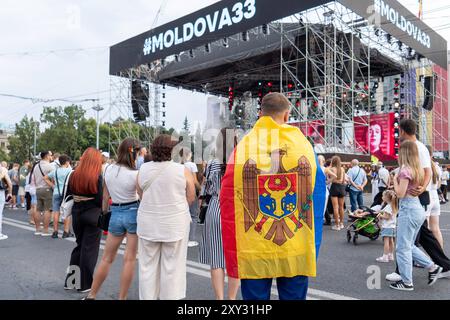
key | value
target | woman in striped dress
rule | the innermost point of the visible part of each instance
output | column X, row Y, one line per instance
column 211, row 248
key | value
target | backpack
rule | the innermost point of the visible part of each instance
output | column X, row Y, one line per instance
column 67, row 200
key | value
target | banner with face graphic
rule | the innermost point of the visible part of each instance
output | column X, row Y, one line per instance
column 377, row 138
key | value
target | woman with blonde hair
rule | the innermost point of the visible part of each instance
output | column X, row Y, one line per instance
column 411, row 216
column 337, row 192
column 434, row 208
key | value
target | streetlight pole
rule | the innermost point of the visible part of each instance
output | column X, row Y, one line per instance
column 98, row 109
column 34, row 146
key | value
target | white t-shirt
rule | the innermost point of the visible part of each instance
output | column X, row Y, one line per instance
column 383, row 177
column 121, row 183
column 434, row 186
column 444, row 177
column 191, row 166
column 389, row 223
column 424, row 157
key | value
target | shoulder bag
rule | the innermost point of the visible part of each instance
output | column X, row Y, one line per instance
column 205, row 203
column 347, row 188
column 67, row 200
column 105, row 217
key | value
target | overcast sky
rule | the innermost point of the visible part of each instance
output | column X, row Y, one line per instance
column 32, row 29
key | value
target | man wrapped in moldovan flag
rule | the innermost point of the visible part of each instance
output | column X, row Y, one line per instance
column 272, row 204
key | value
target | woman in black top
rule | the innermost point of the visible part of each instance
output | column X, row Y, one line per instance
column 86, row 186
column 337, row 192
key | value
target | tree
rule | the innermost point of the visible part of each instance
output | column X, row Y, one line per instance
column 21, row 144
column 186, row 126
column 4, row 156
column 62, row 135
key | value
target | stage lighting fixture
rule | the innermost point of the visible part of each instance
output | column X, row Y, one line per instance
column 377, row 32
column 191, row 53
column 163, row 123
column 245, row 36
column 375, row 85
column 164, row 86
column 397, row 115
column 400, row 45
column 225, row 42
column 396, row 104
column 207, row 48
column 265, row 29
column 163, row 104
column 163, row 95
column 269, row 84
column 164, row 114
column 177, row 58
column 297, row 103
column 259, row 83
column 402, row 96
column 388, row 38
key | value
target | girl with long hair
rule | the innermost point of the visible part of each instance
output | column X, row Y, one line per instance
column 434, row 208
column 211, row 247
column 86, row 187
column 389, row 210
column 411, row 216
column 337, row 192
column 120, row 185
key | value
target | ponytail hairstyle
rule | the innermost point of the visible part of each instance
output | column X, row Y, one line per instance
column 393, row 200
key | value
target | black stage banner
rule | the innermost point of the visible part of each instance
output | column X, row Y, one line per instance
column 405, row 26
column 229, row 17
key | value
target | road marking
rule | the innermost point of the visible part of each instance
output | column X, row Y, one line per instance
column 192, row 266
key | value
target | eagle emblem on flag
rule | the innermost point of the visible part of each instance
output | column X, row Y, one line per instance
column 276, row 195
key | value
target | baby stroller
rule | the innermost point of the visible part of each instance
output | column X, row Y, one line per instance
column 366, row 225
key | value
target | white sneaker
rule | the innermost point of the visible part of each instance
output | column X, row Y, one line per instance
column 38, row 233
column 391, row 257
column 3, row 237
column 46, row 234
column 444, row 275
column 393, row 277
column 342, row 226
column 384, row 258
column 192, row 244
column 336, row 228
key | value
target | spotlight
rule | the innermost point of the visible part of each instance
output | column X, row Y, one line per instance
column 225, row 42
column 375, row 85
column 397, row 115
column 245, row 36
column 396, row 104
column 177, row 58
column 191, row 53
column 207, row 48
column 265, row 29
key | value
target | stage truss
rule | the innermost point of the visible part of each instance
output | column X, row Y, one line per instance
column 122, row 122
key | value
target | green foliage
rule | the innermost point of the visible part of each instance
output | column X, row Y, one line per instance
column 21, row 144
column 68, row 131
column 4, row 156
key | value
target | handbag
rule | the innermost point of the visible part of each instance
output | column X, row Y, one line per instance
column 103, row 220
column 67, row 202
column 205, row 203
column 348, row 186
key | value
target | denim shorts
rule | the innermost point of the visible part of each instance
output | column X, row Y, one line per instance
column 387, row 232
column 57, row 200
column 123, row 219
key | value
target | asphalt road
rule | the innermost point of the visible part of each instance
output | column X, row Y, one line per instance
column 33, row 267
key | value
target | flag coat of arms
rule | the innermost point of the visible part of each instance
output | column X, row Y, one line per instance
column 272, row 202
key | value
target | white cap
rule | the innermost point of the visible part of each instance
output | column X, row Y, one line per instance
column 105, row 154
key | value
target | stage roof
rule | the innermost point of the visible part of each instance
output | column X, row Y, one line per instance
column 245, row 63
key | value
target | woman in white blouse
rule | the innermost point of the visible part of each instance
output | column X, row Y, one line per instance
column 166, row 189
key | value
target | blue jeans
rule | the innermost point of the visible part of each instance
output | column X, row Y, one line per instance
column 288, row 288
column 411, row 216
column 123, row 220
column 356, row 199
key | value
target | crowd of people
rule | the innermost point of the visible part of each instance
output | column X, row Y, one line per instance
column 154, row 204
column 408, row 200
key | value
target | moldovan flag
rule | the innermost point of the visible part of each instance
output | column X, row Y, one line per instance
column 272, row 202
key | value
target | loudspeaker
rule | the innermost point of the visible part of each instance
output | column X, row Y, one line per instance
column 139, row 100
column 429, row 92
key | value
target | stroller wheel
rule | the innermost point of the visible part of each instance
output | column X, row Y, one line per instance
column 349, row 236
column 355, row 239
